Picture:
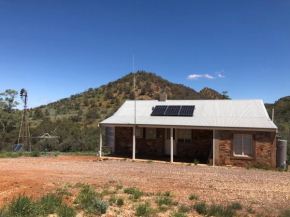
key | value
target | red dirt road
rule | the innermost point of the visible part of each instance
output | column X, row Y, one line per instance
column 266, row 190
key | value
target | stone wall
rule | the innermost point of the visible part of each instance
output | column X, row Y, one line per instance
column 264, row 149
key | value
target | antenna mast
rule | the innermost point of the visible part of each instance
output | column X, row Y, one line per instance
column 134, row 91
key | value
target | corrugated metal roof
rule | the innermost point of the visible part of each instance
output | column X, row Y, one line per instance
column 207, row 113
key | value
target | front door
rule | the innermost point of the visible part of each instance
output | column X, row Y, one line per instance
column 168, row 142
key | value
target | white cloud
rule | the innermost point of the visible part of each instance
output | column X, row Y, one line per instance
column 208, row 76
column 197, row 76
column 220, row 73
column 194, row 76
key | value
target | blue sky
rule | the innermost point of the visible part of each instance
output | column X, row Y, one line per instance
column 58, row 48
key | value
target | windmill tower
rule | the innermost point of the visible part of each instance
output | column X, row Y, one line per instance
column 24, row 134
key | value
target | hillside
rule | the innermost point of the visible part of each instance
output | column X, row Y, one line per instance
column 281, row 117
column 97, row 104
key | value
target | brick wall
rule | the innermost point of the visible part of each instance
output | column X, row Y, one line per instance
column 264, row 149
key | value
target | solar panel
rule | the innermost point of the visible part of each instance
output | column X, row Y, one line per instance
column 18, row 147
column 172, row 110
column 186, row 110
column 159, row 110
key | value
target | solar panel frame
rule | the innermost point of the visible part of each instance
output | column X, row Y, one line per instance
column 172, row 110
column 186, row 110
column 18, row 147
column 159, row 110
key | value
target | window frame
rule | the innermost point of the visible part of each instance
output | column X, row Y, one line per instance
column 243, row 150
column 184, row 140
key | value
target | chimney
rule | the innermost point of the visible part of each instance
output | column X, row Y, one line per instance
column 163, row 96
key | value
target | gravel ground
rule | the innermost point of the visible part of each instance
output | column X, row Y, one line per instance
column 268, row 191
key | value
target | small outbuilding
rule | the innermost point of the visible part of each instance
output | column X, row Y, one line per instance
column 222, row 132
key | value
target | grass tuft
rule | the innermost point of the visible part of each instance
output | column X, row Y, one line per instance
column 144, row 209
column 66, row 211
column 193, row 197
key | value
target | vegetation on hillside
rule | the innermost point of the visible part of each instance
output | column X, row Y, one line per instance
column 282, row 118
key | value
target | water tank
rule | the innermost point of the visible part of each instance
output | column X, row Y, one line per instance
column 281, row 155
column 110, row 137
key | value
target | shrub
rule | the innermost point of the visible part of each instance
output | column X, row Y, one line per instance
column 120, row 202
column 195, row 162
column 178, row 214
column 66, row 211
column 144, row 209
column 35, row 154
column 285, row 213
column 215, row 210
column 193, row 197
column 100, row 207
column 165, row 201
column 237, row 206
column 119, row 187
column 135, row 192
column 167, row 194
column 50, row 203
column 183, row 209
column 200, row 208
column 112, row 200
column 86, row 197
column 23, row 206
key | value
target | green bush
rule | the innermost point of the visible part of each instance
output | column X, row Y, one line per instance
column 165, row 201
column 50, row 203
column 23, row 206
column 86, row 197
column 200, row 208
column 100, row 207
column 135, row 192
column 193, row 197
column 66, row 211
column 285, row 213
column 120, row 202
column 195, row 162
column 35, row 154
column 178, row 214
column 144, row 209
column 237, row 206
column 183, row 209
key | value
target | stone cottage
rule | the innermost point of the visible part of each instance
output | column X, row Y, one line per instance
column 222, row 132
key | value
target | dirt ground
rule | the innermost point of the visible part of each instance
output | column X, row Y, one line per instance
column 263, row 190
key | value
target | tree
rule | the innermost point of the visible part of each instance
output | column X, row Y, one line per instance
column 7, row 100
column 225, row 95
column 38, row 114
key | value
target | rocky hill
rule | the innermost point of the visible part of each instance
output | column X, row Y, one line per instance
column 96, row 104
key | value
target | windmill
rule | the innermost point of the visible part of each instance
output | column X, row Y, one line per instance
column 24, row 134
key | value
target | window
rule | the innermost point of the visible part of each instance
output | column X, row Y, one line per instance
column 151, row 133
column 243, row 145
column 184, row 136
column 139, row 132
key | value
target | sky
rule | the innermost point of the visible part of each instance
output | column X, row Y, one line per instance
column 58, row 48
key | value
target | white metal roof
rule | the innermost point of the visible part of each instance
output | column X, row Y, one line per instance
column 207, row 113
